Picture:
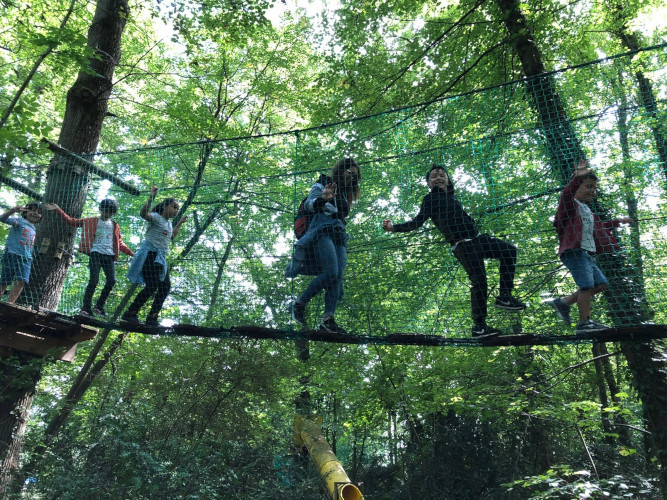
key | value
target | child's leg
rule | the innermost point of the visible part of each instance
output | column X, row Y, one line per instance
column 472, row 260
column 16, row 290
column 109, row 268
column 151, row 273
column 94, row 264
column 506, row 253
column 163, row 289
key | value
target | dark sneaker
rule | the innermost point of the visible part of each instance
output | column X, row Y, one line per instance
column 329, row 325
column 509, row 303
column 482, row 331
column 86, row 313
column 152, row 322
column 562, row 310
column 589, row 326
column 99, row 311
column 130, row 318
column 298, row 312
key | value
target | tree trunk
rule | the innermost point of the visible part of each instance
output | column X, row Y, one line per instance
column 648, row 101
column 646, row 361
column 67, row 185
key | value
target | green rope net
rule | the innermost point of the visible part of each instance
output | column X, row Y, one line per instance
column 508, row 156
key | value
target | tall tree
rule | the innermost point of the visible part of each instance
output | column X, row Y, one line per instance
column 647, row 361
column 67, row 184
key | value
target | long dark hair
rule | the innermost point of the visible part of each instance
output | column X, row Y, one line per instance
column 159, row 208
column 352, row 191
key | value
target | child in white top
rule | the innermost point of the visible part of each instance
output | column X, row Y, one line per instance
column 149, row 265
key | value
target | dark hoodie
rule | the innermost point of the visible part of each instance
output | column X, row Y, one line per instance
column 447, row 214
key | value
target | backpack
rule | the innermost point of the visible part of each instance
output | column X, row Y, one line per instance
column 302, row 220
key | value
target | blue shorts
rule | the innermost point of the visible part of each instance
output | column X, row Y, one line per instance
column 14, row 268
column 582, row 267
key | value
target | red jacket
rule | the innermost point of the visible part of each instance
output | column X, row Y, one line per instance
column 569, row 226
column 89, row 225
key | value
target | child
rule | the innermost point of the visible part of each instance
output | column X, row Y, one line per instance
column 149, row 265
column 468, row 246
column 324, row 245
column 102, row 241
column 582, row 235
column 17, row 258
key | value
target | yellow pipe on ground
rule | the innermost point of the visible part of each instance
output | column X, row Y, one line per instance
column 308, row 432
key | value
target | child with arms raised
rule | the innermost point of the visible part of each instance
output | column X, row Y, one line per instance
column 149, row 265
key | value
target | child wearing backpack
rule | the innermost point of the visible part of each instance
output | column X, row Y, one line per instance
column 323, row 245
column 17, row 257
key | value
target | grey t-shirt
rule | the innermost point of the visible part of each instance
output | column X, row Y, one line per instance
column 159, row 232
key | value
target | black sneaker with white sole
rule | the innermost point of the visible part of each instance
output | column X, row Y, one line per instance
column 329, row 325
column 131, row 319
column 509, row 303
column 483, row 331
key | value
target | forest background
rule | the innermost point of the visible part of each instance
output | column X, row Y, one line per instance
column 172, row 417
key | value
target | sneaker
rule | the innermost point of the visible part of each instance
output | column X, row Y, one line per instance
column 509, row 303
column 298, row 311
column 589, row 326
column 99, row 311
column 482, row 331
column 562, row 310
column 130, row 318
column 329, row 325
column 87, row 313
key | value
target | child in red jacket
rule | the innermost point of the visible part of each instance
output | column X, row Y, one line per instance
column 582, row 235
column 102, row 241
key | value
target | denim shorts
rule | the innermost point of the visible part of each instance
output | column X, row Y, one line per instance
column 582, row 267
column 14, row 268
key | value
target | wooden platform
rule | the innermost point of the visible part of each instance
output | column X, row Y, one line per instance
column 40, row 332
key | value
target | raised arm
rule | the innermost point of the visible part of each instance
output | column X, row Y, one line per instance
column 146, row 209
column 10, row 212
column 411, row 225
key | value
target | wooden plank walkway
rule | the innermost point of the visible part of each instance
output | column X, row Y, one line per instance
column 40, row 332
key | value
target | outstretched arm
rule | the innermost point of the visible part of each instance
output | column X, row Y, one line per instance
column 145, row 210
column 70, row 221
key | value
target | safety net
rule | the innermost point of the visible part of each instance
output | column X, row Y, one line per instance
column 236, row 260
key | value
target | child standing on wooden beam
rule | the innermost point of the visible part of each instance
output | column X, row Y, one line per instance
column 468, row 245
column 581, row 236
column 17, row 258
column 149, row 265
column 102, row 242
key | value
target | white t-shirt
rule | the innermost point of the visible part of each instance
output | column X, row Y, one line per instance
column 159, row 232
column 103, row 241
column 587, row 227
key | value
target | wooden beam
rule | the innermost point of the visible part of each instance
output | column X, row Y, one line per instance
column 17, row 186
column 90, row 167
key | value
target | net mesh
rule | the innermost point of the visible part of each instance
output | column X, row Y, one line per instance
column 227, row 264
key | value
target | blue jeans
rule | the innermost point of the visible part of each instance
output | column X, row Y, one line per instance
column 582, row 267
column 332, row 258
